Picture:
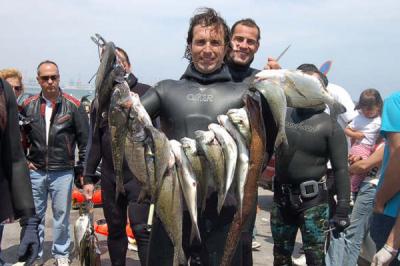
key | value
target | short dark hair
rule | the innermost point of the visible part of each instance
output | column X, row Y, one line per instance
column 205, row 17
column 45, row 62
column 369, row 98
column 311, row 69
column 249, row 23
column 119, row 49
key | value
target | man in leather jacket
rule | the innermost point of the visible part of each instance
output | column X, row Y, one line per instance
column 204, row 91
column 115, row 212
column 301, row 195
column 57, row 124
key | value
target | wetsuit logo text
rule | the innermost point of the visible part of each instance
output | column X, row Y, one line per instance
column 199, row 97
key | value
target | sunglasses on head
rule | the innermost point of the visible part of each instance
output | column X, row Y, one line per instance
column 17, row 88
column 46, row 78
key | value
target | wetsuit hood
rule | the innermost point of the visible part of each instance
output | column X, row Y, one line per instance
column 220, row 75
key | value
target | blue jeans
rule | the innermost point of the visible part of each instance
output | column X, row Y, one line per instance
column 57, row 184
column 345, row 249
column 381, row 225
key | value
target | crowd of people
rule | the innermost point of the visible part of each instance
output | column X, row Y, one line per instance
column 313, row 190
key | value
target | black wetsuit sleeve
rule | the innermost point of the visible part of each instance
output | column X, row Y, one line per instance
column 338, row 149
column 93, row 150
column 271, row 128
column 81, row 132
column 151, row 101
column 20, row 184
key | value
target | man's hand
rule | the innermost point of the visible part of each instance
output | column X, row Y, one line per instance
column 272, row 64
column 384, row 256
column 88, row 191
column 28, row 249
column 31, row 166
column 341, row 219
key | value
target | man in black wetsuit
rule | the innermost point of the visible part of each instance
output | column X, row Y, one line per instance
column 301, row 196
column 245, row 41
column 115, row 212
column 205, row 90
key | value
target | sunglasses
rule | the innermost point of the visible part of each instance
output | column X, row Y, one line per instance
column 46, row 78
column 17, row 88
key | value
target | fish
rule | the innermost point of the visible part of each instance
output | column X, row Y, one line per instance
column 212, row 150
column 200, row 166
column 120, row 105
column 162, row 153
column 241, row 121
column 229, row 149
column 242, row 164
column 169, row 209
column 104, row 81
column 188, row 183
column 301, row 90
column 276, row 99
column 257, row 153
column 81, row 229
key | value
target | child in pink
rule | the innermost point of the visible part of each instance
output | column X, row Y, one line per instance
column 364, row 130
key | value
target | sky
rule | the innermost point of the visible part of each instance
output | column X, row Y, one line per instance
column 361, row 37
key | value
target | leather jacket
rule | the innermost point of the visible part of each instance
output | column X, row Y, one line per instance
column 68, row 127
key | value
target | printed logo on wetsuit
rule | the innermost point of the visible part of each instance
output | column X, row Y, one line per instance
column 300, row 126
column 200, row 97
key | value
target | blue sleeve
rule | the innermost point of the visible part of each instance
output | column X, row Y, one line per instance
column 390, row 114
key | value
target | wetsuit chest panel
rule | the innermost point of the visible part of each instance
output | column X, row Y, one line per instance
column 308, row 150
column 187, row 106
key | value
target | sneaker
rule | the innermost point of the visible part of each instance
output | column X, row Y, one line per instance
column 255, row 245
column 62, row 261
column 300, row 261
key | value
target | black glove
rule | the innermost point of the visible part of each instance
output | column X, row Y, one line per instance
column 341, row 218
column 29, row 247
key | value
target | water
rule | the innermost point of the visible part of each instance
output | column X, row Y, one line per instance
column 77, row 93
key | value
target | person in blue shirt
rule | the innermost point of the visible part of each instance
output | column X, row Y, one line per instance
column 387, row 200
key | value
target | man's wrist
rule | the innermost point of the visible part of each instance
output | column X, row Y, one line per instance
column 391, row 250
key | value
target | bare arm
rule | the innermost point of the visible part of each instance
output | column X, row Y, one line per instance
column 391, row 181
column 353, row 133
column 363, row 166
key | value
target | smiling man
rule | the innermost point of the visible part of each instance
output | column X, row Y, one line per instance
column 204, row 91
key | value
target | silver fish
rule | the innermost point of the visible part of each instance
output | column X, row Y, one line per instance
column 276, row 99
column 301, row 90
column 242, row 165
column 169, row 210
column 188, row 183
column 200, row 168
column 81, row 229
column 230, row 154
column 240, row 119
column 214, row 155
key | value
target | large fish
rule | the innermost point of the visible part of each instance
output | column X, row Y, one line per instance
column 257, row 153
column 241, row 121
column 301, row 90
column 188, row 183
column 229, row 149
column 81, row 229
column 200, row 166
column 276, row 99
column 169, row 210
column 104, row 81
column 214, row 155
column 120, row 105
column 242, row 165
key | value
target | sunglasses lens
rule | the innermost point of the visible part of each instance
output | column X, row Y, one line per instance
column 18, row 88
column 46, row 78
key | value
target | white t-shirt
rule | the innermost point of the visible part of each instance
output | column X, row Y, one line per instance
column 368, row 126
column 47, row 115
column 342, row 96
